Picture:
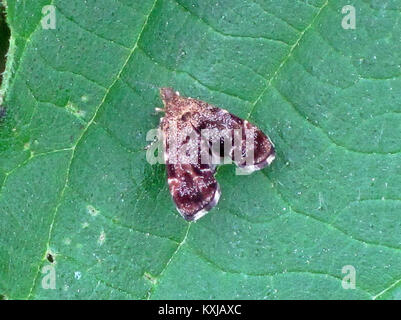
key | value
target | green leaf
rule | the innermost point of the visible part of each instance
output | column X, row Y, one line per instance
column 78, row 198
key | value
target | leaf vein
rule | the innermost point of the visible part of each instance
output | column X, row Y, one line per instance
column 284, row 61
column 83, row 134
column 221, row 33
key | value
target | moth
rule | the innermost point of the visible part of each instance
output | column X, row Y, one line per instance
column 189, row 153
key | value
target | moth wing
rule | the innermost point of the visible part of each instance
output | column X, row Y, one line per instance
column 194, row 189
column 192, row 184
column 259, row 144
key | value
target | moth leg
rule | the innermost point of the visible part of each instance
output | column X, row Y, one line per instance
column 157, row 111
column 149, row 145
column 155, row 139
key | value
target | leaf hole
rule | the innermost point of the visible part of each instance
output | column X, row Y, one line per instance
column 50, row 257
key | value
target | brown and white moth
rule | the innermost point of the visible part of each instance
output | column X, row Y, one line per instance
column 189, row 152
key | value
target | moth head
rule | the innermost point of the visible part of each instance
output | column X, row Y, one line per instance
column 167, row 94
